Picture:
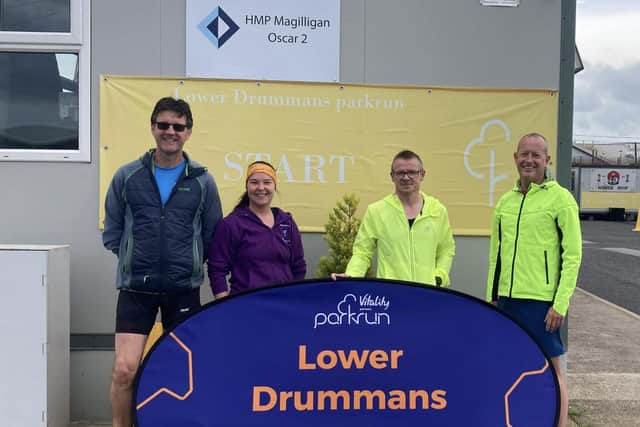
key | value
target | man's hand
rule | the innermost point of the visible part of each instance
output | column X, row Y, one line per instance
column 221, row 295
column 553, row 320
column 335, row 276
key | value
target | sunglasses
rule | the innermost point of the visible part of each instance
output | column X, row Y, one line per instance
column 176, row 126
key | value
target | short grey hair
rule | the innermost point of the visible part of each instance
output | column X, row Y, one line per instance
column 407, row 155
column 534, row 135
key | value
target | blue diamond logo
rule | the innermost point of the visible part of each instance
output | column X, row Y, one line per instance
column 218, row 27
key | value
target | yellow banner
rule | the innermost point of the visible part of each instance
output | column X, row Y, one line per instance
column 609, row 199
column 330, row 139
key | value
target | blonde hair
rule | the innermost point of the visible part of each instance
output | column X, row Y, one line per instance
column 534, row 135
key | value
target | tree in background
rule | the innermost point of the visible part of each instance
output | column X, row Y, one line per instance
column 340, row 233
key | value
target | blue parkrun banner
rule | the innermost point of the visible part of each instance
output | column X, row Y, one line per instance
column 356, row 352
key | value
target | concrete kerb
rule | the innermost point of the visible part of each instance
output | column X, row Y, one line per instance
column 610, row 304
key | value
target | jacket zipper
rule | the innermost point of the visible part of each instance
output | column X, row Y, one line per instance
column 411, row 251
column 515, row 245
column 546, row 267
column 163, row 244
column 411, row 255
column 163, row 224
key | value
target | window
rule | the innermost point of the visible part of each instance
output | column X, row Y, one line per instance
column 43, row 16
column 44, row 80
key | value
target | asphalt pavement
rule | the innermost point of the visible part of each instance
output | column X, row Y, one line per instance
column 611, row 262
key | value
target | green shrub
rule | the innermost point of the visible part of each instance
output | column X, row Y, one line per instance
column 340, row 233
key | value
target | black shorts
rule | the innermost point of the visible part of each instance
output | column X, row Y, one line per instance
column 530, row 315
column 136, row 311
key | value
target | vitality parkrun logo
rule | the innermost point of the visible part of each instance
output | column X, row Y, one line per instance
column 364, row 310
column 218, row 27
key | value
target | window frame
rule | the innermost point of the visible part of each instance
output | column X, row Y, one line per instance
column 78, row 41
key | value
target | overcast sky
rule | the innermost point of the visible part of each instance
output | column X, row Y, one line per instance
column 607, row 91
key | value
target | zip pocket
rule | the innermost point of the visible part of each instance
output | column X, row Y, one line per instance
column 546, row 267
column 128, row 250
column 197, row 258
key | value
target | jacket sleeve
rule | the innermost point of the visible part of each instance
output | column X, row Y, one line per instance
column 493, row 276
column 568, row 221
column 298, row 264
column 445, row 251
column 211, row 213
column 363, row 247
column 220, row 257
column 114, row 208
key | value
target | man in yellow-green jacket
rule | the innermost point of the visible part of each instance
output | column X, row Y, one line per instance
column 409, row 229
column 535, row 253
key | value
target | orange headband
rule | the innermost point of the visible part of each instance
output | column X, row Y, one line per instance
column 261, row 167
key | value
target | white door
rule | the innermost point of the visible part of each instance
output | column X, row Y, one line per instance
column 23, row 331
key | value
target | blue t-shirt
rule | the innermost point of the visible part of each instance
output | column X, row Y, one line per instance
column 166, row 179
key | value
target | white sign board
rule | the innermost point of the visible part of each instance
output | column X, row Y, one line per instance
column 613, row 180
column 295, row 40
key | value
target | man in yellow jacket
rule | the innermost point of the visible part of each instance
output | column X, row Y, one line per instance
column 409, row 229
column 535, row 253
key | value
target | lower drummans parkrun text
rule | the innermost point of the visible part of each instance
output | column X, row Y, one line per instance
column 266, row 398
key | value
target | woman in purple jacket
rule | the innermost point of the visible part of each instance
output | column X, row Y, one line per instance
column 258, row 244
